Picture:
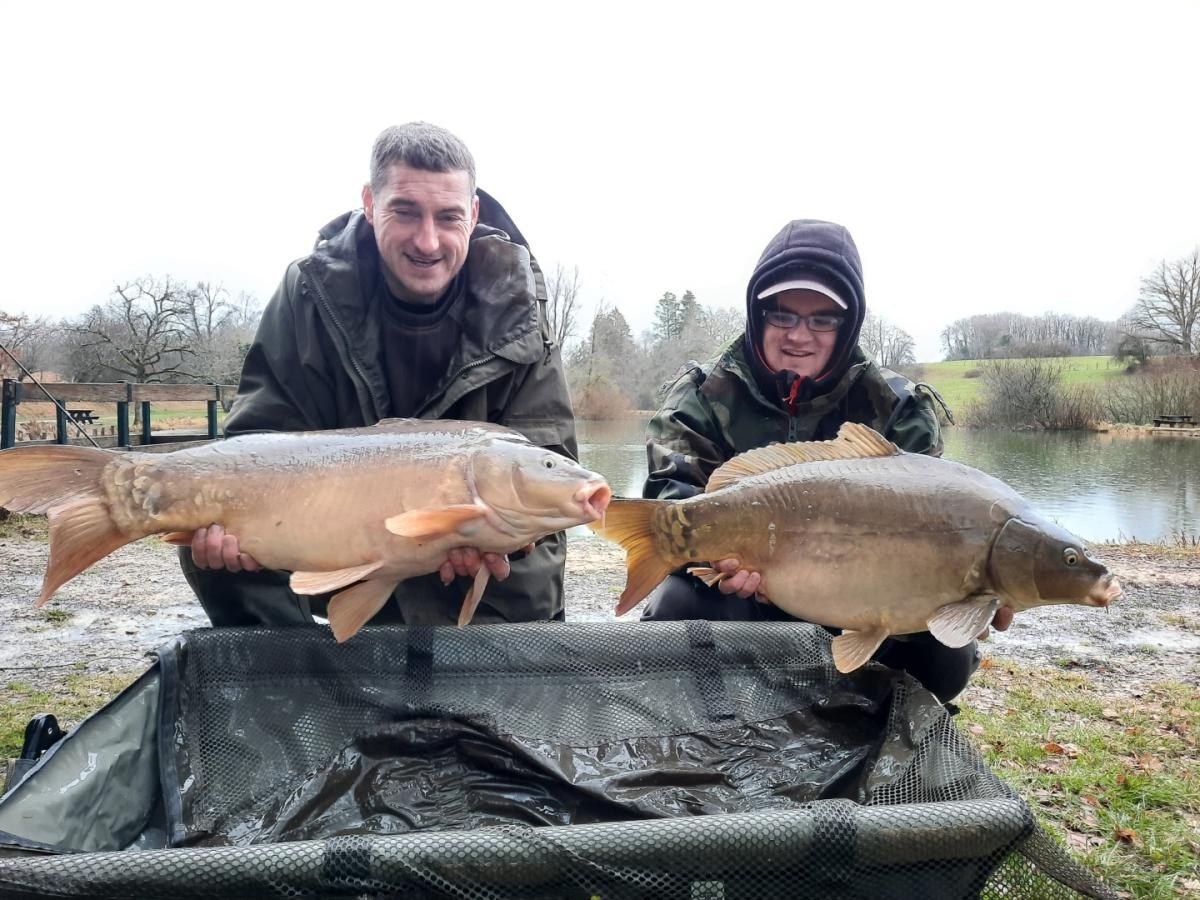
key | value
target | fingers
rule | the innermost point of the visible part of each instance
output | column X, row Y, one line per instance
column 497, row 564
column 465, row 562
column 741, row 582
column 213, row 548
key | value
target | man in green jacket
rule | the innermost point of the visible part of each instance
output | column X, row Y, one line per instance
column 796, row 374
column 426, row 303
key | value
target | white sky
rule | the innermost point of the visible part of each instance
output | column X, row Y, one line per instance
column 1022, row 156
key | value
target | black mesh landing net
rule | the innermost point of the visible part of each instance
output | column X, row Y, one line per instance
column 689, row 760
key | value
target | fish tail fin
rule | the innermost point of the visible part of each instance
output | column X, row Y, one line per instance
column 65, row 483
column 349, row 610
column 34, row 479
column 81, row 532
column 630, row 523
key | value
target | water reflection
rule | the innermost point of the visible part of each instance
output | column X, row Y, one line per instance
column 1099, row 486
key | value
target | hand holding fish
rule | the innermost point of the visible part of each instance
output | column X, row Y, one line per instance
column 737, row 580
column 213, row 548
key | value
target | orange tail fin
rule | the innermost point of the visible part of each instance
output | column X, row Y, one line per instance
column 65, row 483
column 630, row 523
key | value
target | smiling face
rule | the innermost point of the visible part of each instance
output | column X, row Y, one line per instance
column 423, row 222
column 799, row 349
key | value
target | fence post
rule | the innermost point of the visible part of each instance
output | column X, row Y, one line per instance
column 60, row 425
column 212, row 412
column 145, row 421
column 8, row 414
column 123, row 417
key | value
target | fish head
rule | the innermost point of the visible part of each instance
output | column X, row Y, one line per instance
column 537, row 491
column 1034, row 563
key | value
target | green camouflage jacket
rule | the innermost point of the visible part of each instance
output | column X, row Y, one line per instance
column 712, row 413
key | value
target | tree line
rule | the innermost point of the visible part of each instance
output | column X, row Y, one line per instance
column 154, row 330
column 612, row 371
column 1164, row 320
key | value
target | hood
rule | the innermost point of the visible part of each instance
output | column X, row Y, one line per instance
column 806, row 246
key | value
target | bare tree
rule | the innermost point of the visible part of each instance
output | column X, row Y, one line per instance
column 887, row 344
column 219, row 328
column 1168, row 308
column 30, row 340
column 562, row 289
column 140, row 333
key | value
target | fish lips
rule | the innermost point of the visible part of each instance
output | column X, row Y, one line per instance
column 593, row 499
column 1106, row 590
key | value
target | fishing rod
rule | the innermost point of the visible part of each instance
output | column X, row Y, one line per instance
column 65, row 412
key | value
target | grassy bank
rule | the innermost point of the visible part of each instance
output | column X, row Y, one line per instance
column 1114, row 778
column 960, row 381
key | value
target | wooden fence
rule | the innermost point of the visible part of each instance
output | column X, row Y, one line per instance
column 124, row 394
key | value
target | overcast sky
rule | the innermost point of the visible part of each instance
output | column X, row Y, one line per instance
column 1001, row 156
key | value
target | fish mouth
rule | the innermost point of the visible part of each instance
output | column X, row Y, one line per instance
column 1106, row 591
column 594, row 497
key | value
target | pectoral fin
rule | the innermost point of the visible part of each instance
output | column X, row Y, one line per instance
column 474, row 595
column 957, row 624
column 708, row 575
column 852, row 649
column 423, row 523
column 354, row 607
column 323, row 582
column 178, row 538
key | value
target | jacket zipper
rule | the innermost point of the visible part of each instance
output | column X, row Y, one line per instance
column 321, row 295
column 474, row 364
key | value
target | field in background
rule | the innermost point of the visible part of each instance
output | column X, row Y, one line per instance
column 961, row 381
column 166, row 414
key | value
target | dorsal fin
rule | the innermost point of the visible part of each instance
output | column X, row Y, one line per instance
column 853, row 441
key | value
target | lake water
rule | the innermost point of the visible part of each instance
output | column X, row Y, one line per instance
column 1098, row 486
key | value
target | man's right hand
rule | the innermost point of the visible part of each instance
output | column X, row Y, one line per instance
column 738, row 581
column 212, row 548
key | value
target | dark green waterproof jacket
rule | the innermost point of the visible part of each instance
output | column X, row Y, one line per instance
column 317, row 363
column 716, row 411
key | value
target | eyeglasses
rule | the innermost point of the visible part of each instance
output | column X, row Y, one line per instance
column 782, row 318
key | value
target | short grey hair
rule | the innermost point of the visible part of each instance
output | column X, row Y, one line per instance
column 422, row 146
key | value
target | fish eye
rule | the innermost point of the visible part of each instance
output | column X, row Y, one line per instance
column 548, row 463
column 1071, row 556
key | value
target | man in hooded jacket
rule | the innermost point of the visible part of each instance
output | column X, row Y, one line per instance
column 426, row 303
column 796, row 374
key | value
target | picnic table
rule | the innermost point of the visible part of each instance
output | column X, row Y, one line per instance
column 1173, row 421
column 83, row 415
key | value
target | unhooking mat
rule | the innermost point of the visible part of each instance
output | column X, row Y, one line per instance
column 548, row 760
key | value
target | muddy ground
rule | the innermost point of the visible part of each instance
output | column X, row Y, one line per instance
column 113, row 616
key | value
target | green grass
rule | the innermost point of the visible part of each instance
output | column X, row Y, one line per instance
column 1115, row 779
column 951, row 381
column 71, row 698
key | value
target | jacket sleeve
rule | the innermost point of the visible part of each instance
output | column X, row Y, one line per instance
column 286, row 384
column 684, row 441
column 916, row 427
